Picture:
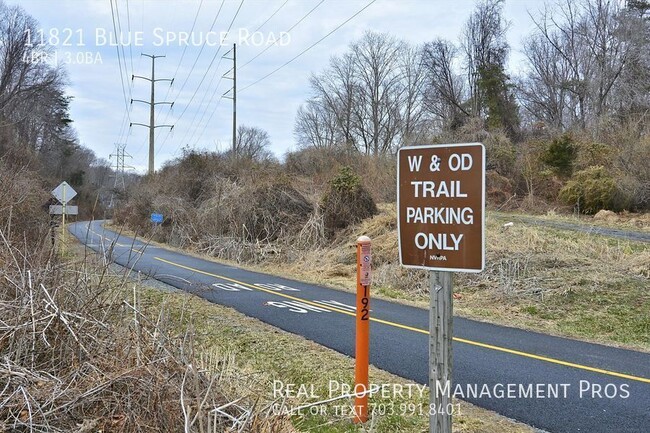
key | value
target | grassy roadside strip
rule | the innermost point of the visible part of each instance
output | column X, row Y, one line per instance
column 268, row 354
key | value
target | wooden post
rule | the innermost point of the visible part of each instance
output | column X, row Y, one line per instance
column 362, row 346
column 440, row 351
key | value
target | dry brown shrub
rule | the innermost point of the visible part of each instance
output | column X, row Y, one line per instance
column 312, row 234
column 255, row 212
column 79, row 351
column 346, row 202
column 135, row 212
column 236, row 221
column 320, row 165
column 274, row 210
column 498, row 189
column 534, row 205
column 395, row 277
column 23, row 210
column 378, row 176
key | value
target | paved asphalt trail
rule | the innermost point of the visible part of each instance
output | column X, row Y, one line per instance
column 484, row 355
column 628, row 235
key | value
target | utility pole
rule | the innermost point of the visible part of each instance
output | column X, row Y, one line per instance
column 234, row 95
column 119, row 168
column 152, row 104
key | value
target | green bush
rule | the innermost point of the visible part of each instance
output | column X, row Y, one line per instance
column 591, row 190
column 346, row 201
column 560, row 155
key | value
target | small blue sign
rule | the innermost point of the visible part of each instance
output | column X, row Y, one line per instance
column 157, row 218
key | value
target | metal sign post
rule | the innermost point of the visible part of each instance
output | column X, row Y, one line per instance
column 362, row 343
column 63, row 193
column 441, row 227
column 63, row 202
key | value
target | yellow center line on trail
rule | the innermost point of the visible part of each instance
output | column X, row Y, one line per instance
column 421, row 331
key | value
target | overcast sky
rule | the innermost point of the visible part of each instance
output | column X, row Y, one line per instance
column 201, row 117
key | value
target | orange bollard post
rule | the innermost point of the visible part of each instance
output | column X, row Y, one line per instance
column 362, row 346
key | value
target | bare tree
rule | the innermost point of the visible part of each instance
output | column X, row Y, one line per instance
column 34, row 109
column 21, row 74
column 27, row 80
column 317, row 126
column 413, row 120
column 444, row 91
column 631, row 95
column 485, row 47
column 590, row 58
column 369, row 99
column 335, row 90
column 543, row 93
column 252, row 143
column 376, row 113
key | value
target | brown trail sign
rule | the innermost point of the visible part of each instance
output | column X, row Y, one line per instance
column 441, row 205
column 440, row 222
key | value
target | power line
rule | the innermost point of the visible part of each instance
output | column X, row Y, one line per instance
column 205, row 125
column 210, row 65
column 196, row 16
column 212, row 61
column 310, row 47
column 120, row 167
column 233, row 89
column 203, row 113
column 287, row 31
column 303, row 52
column 127, row 117
column 202, row 47
column 201, row 104
column 121, row 45
column 126, row 104
column 123, row 127
column 192, row 68
column 180, row 62
column 179, row 65
column 272, row 15
column 128, row 23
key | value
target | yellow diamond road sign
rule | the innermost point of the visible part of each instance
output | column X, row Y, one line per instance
column 64, row 192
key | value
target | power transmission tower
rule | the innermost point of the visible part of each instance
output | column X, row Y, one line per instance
column 233, row 89
column 119, row 169
column 152, row 104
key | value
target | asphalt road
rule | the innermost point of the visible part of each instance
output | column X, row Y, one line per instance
column 628, row 235
column 599, row 388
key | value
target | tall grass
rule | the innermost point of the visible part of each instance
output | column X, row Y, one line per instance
column 80, row 352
